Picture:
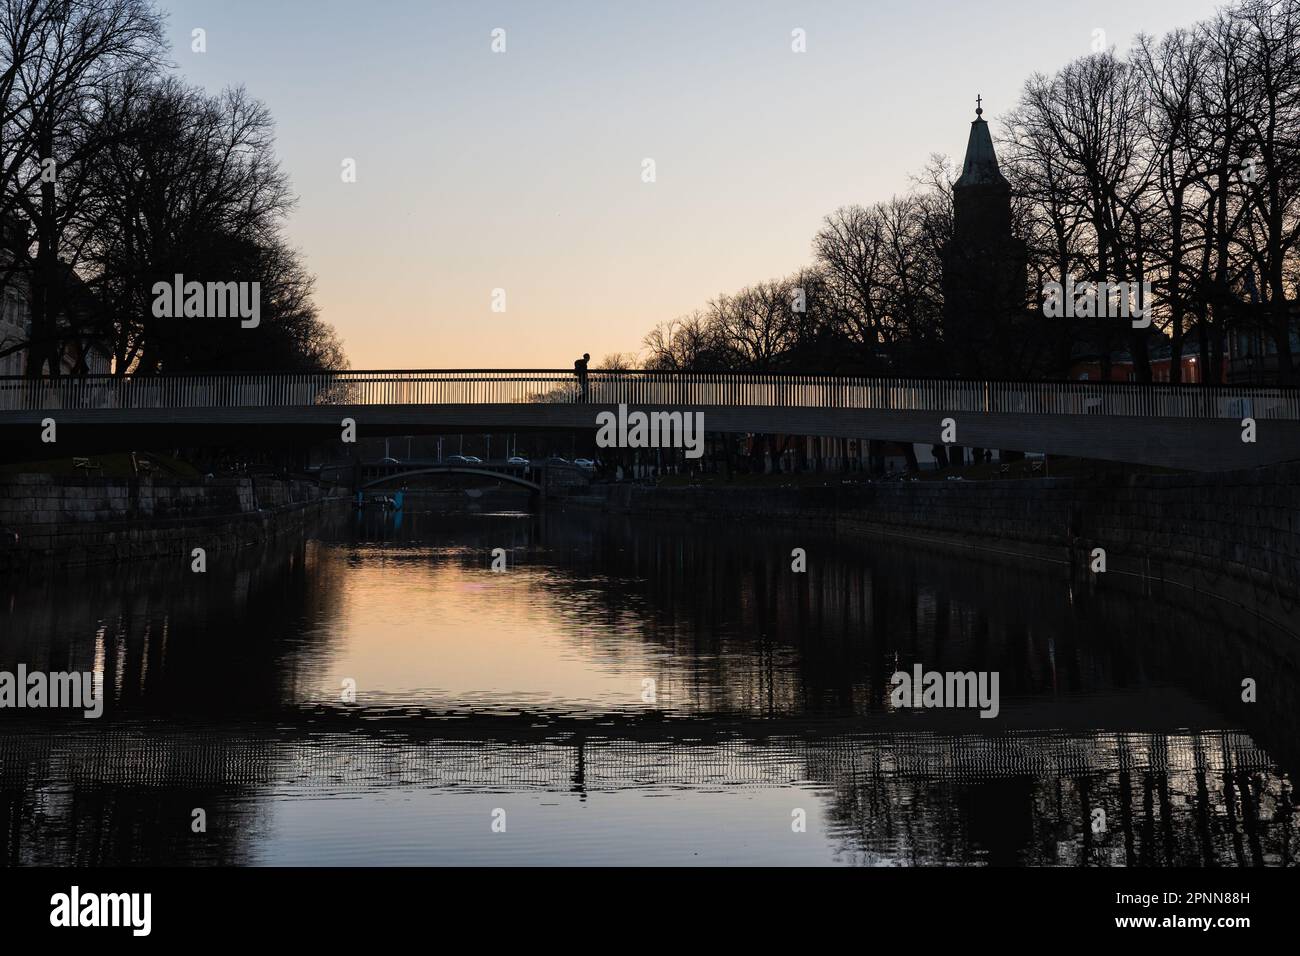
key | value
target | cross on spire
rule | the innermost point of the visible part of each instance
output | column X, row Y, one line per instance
column 979, row 106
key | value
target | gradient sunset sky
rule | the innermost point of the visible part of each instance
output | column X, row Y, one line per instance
column 522, row 170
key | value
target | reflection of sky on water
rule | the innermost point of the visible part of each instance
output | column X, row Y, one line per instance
column 224, row 694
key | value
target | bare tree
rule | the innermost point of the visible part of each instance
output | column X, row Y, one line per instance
column 617, row 362
column 1178, row 165
column 1220, row 125
column 851, row 249
column 1170, row 70
column 1270, row 164
column 1088, row 118
column 188, row 184
column 690, row 343
column 56, row 55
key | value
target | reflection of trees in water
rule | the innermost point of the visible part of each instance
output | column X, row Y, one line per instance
column 1207, row 647
column 1172, row 800
column 745, row 634
column 738, row 633
column 174, row 642
column 72, row 795
column 170, row 643
column 75, row 795
column 776, row 642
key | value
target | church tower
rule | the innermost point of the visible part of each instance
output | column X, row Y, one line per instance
column 985, row 270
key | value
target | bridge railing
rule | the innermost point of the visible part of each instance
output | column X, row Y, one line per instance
column 674, row 390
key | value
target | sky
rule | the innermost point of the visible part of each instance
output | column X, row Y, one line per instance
column 524, row 170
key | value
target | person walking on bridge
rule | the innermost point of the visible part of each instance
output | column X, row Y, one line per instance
column 580, row 370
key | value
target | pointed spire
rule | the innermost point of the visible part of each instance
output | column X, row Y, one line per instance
column 981, row 165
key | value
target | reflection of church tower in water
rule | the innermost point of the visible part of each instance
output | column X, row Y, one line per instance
column 985, row 271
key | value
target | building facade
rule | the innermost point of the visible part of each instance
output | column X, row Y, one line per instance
column 78, row 353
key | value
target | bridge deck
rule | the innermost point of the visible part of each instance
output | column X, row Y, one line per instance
column 1177, row 426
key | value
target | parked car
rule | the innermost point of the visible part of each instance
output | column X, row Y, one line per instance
column 389, row 461
column 516, row 460
column 474, row 460
column 586, row 464
column 457, row 460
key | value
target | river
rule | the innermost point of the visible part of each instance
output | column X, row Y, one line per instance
column 629, row 691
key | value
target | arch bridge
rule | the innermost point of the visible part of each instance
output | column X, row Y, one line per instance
column 504, row 471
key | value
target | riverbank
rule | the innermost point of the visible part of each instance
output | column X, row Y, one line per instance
column 1231, row 534
column 86, row 520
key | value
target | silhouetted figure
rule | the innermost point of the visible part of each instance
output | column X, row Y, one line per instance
column 580, row 370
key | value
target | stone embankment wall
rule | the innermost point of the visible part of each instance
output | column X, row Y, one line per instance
column 79, row 520
column 1236, row 533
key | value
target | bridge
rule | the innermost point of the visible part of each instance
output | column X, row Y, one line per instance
column 491, row 470
column 536, row 476
column 1179, row 426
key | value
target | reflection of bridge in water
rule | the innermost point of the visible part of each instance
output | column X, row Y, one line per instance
column 1162, row 754
column 1169, row 797
column 1180, row 426
column 601, row 754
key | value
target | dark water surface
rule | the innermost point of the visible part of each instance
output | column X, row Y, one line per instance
column 639, row 692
